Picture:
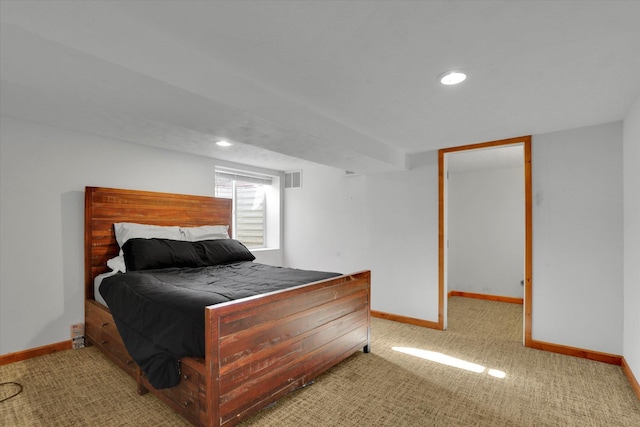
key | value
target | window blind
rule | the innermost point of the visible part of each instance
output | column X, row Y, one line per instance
column 244, row 177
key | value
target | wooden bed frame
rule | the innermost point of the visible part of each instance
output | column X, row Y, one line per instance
column 258, row 349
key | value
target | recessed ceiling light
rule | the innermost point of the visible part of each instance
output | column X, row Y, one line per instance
column 452, row 77
column 224, row 143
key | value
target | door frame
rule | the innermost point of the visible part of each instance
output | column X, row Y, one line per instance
column 528, row 225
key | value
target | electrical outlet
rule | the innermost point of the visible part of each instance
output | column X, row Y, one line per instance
column 77, row 335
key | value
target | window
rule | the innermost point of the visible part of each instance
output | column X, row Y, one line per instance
column 249, row 194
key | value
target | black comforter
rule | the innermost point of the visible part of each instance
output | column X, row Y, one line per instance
column 160, row 313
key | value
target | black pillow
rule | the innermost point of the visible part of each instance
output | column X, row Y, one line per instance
column 148, row 254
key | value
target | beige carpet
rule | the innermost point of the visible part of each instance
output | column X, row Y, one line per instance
column 388, row 387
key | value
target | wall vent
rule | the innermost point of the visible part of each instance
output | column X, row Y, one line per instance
column 293, row 179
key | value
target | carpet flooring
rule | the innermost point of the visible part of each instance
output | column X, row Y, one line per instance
column 477, row 373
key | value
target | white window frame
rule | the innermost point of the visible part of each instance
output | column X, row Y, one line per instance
column 272, row 205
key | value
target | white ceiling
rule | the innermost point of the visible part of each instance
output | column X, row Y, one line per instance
column 350, row 84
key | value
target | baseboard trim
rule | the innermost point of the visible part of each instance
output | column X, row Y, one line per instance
column 35, row 352
column 512, row 300
column 405, row 319
column 539, row 345
column 632, row 379
column 611, row 359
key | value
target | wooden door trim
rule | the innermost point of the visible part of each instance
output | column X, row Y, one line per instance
column 528, row 268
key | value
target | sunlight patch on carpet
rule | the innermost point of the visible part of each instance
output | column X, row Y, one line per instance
column 449, row 361
column 496, row 373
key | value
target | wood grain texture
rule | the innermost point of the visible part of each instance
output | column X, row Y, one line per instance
column 512, row 300
column 441, row 238
column 635, row 385
column 101, row 331
column 612, row 359
column 528, row 244
column 258, row 349
column 276, row 343
column 35, row 352
column 406, row 319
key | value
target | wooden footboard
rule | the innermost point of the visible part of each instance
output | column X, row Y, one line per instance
column 261, row 348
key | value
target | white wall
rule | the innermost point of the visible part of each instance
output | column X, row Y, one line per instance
column 486, row 231
column 578, row 238
column 43, row 172
column 402, row 217
column 631, row 172
column 389, row 224
column 324, row 222
column 386, row 223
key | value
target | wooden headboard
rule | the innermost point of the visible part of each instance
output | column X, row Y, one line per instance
column 106, row 206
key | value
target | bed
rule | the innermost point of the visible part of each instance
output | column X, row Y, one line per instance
column 286, row 337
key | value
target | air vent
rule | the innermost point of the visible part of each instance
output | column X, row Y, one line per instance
column 293, row 179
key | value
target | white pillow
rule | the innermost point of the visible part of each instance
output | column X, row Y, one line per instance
column 205, row 232
column 117, row 264
column 130, row 230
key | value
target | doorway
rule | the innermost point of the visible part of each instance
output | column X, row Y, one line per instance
column 525, row 143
